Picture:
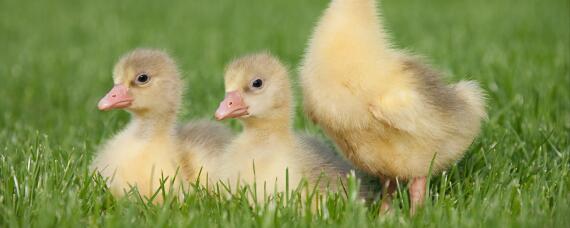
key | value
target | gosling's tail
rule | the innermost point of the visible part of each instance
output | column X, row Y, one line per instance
column 474, row 97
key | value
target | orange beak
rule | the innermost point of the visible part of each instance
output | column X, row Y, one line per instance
column 232, row 106
column 117, row 98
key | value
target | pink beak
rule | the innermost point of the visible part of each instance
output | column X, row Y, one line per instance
column 232, row 106
column 118, row 97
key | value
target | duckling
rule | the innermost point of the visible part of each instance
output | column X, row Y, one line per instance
column 389, row 112
column 152, row 146
column 259, row 95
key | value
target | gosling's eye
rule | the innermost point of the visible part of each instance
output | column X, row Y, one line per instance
column 257, row 83
column 142, row 79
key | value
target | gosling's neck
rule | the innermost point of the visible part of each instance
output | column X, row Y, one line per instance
column 154, row 124
column 270, row 126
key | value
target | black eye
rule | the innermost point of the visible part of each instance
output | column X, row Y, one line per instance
column 142, row 79
column 257, row 83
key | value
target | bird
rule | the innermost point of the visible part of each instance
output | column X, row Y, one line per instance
column 153, row 146
column 388, row 111
column 258, row 93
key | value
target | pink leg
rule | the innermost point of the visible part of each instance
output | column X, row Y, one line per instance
column 417, row 193
column 388, row 189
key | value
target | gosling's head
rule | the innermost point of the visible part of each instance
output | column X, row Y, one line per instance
column 145, row 81
column 257, row 86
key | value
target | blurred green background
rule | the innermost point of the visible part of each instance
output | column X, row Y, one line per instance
column 56, row 59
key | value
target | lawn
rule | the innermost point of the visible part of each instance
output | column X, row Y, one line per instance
column 56, row 59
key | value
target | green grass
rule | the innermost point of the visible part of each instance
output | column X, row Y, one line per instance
column 56, row 59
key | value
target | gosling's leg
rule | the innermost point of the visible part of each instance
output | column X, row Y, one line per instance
column 417, row 192
column 388, row 190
